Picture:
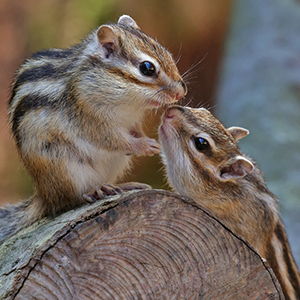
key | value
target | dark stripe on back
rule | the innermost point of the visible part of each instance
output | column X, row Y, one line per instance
column 272, row 260
column 30, row 103
column 45, row 71
column 25, row 105
column 54, row 53
column 288, row 259
column 13, row 93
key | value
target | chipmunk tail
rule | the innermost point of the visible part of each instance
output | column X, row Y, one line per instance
column 15, row 217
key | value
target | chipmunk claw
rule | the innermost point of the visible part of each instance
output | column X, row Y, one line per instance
column 101, row 193
column 89, row 199
column 94, row 197
column 109, row 189
column 153, row 147
column 146, row 147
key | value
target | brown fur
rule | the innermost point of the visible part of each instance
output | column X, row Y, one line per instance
column 76, row 115
column 228, row 184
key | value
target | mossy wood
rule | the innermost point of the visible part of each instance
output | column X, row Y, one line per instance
column 148, row 244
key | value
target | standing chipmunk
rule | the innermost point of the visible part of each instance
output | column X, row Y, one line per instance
column 204, row 163
column 76, row 116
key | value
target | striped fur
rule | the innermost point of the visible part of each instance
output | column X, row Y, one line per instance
column 77, row 113
column 240, row 199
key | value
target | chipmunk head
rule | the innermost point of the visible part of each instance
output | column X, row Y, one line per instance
column 198, row 150
column 140, row 67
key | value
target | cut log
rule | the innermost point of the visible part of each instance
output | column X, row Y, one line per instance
column 148, row 244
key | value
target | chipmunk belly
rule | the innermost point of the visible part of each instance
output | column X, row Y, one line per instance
column 103, row 166
column 115, row 165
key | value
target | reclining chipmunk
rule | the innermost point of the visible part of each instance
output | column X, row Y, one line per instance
column 203, row 162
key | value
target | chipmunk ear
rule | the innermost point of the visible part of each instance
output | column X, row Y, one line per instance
column 236, row 167
column 107, row 39
column 238, row 132
column 127, row 21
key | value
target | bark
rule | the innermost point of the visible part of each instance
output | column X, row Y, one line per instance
column 139, row 245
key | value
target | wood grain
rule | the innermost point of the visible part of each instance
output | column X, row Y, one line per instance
column 146, row 245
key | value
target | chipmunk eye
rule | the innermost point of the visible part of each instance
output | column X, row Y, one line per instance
column 147, row 68
column 201, row 144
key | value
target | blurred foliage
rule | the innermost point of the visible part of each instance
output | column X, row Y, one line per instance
column 66, row 22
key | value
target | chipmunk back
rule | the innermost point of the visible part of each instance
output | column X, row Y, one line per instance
column 76, row 114
column 204, row 162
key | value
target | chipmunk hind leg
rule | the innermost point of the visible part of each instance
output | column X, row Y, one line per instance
column 57, row 187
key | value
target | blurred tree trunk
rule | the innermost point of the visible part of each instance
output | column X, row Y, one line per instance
column 194, row 31
column 260, row 90
column 24, row 28
column 12, row 51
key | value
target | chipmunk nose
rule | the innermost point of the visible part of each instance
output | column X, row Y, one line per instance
column 182, row 92
column 178, row 96
column 184, row 87
column 172, row 111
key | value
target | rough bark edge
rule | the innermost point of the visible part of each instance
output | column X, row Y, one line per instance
column 69, row 220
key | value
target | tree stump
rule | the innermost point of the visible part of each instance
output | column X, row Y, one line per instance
column 148, row 244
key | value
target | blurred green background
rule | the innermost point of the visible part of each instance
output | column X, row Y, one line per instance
column 242, row 60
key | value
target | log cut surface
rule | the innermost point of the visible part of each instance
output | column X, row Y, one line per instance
column 148, row 244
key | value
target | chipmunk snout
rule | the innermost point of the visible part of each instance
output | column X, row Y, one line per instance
column 172, row 111
column 181, row 90
column 184, row 87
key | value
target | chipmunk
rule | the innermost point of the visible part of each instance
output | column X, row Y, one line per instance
column 203, row 162
column 76, row 117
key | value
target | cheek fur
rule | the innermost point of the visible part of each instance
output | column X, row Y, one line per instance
column 179, row 172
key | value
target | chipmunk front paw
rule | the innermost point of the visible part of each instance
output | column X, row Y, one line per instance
column 91, row 198
column 110, row 189
column 103, row 192
column 146, row 147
